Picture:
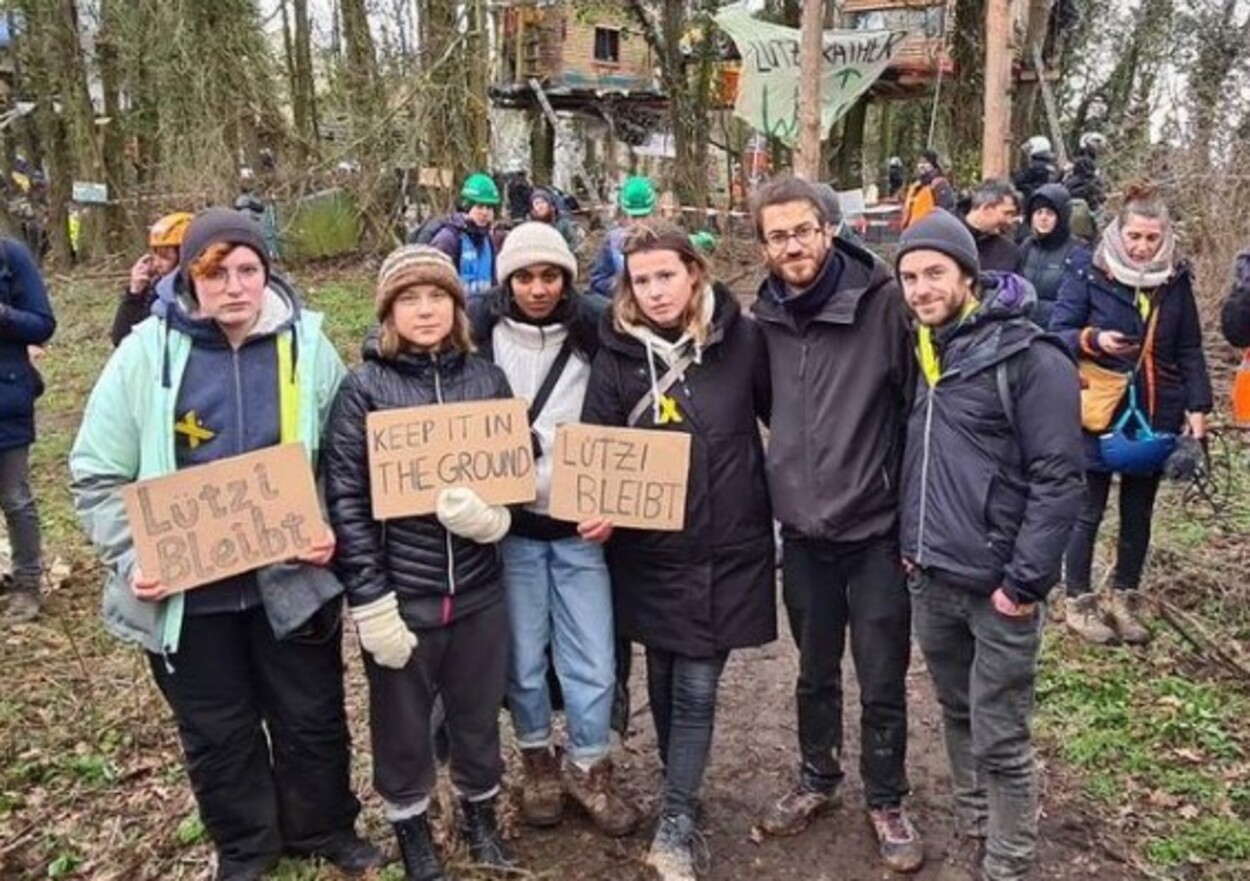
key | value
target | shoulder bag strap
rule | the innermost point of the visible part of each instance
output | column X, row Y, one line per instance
column 663, row 385
column 550, row 380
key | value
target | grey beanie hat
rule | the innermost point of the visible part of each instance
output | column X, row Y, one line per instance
column 941, row 231
column 224, row 226
column 532, row 243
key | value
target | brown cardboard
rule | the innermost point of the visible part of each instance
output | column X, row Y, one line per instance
column 202, row 524
column 632, row 477
column 417, row 452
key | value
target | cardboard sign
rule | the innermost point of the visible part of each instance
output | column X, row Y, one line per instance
column 633, row 477
column 205, row 523
column 417, row 452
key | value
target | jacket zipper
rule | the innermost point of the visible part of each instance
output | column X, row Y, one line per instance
column 451, row 554
column 924, row 472
column 810, row 477
column 238, row 409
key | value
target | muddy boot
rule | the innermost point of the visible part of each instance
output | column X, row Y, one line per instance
column 24, row 606
column 481, row 831
column 1085, row 619
column 1123, row 610
column 899, row 842
column 963, row 859
column 792, row 813
column 672, row 850
column 416, row 849
column 541, row 796
column 592, row 789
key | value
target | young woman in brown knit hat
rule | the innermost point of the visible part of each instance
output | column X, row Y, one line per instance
column 426, row 592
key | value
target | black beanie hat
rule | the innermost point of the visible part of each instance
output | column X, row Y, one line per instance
column 219, row 226
column 941, row 231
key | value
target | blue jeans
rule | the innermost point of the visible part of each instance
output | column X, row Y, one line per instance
column 559, row 595
column 21, row 516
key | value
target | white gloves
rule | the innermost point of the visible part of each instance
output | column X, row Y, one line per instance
column 383, row 633
column 463, row 512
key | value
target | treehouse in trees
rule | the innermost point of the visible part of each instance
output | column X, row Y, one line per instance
column 924, row 52
column 580, row 53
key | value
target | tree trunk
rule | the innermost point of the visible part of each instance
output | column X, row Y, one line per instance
column 811, row 41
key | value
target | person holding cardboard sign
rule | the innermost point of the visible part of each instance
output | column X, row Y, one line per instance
column 426, row 591
column 677, row 355
column 544, row 334
column 251, row 665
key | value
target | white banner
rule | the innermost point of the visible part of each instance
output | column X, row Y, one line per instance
column 768, row 90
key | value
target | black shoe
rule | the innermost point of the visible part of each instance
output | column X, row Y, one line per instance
column 416, row 848
column 351, row 854
column 482, row 834
column 244, row 870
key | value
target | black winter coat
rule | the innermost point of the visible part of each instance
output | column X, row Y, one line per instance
column 842, row 382
column 1235, row 316
column 989, row 496
column 1174, row 379
column 1044, row 259
column 997, row 253
column 437, row 576
column 708, row 588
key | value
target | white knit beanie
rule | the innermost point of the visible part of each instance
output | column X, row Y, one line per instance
column 533, row 243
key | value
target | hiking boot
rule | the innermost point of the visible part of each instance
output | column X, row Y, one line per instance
column 542, row 801
column 481, row 831
column 900, row 844
column 416, row 849
column 592, row 790
column 1085, row 619
column 672, row 850
column 24, row 606
column 1123, row 609
column 350, row 854
column 246, row 870
column 963, row 859
column 792, row 813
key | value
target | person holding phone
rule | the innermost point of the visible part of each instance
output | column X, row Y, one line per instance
column 164, row 243
column 1130, row 309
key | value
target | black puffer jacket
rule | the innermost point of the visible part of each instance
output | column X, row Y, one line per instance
column 708, row 588
column 437, row 576
column 989, row 496
column 1044, row 259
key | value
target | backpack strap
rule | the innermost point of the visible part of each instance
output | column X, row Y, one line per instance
column 550, row 380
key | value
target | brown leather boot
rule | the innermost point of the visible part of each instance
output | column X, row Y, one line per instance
column 592, row 789
column 1085, row 619
column 1123, row 609
column 542, row 800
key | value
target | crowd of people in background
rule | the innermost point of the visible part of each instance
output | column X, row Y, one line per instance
column 943, row 434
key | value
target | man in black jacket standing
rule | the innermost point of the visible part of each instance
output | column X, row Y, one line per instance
column 992, row 483
column 991, row 219
column 842, row 371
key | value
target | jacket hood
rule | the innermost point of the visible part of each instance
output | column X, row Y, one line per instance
column 550, row 198
column 861, row 272
column 1056, row 198
column 278, row 311
column 1000, row 327
column 725, row 312
column 413, row 363
column 576, row 311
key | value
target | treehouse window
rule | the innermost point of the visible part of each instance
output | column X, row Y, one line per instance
column 608, row 45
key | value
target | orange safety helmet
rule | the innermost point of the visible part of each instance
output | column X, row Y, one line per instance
column 169, row 231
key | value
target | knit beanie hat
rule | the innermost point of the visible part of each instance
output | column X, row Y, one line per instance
column 410, row 265
column 941, row 231
column 533, row 243
column 220, row 226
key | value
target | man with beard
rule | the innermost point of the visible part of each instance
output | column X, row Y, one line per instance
column 842, row 373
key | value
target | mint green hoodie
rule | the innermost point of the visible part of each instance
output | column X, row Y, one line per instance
column 127, row 434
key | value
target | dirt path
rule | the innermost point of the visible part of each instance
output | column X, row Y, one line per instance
column 752, row 762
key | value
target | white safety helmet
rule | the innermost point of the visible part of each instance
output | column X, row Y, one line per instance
column 1094, row 142
column 1036, row 144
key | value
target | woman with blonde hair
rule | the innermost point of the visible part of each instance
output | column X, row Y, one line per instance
column 1130, row 318
column 426, row 592
column 677, row 354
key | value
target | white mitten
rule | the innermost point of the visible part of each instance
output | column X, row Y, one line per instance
column 383, row 633
column 463, row 512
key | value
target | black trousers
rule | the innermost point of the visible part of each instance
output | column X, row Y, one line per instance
column 1137, row 505
column 464, row 663
column 264, row 732
column 827, row 590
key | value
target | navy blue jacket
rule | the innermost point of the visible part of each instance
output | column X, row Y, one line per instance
column 1173, row 379
column 990, row 494
column 25, row 320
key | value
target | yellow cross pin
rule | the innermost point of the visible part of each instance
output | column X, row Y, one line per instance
column 668, row 410
column 194, row 431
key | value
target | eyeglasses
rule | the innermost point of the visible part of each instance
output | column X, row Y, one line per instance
column 778, row 239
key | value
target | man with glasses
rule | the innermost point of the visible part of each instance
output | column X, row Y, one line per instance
column 843, row 372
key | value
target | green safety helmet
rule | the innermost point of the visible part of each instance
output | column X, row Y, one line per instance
column 703, row 241
column 479, row 189
column 638, row 197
